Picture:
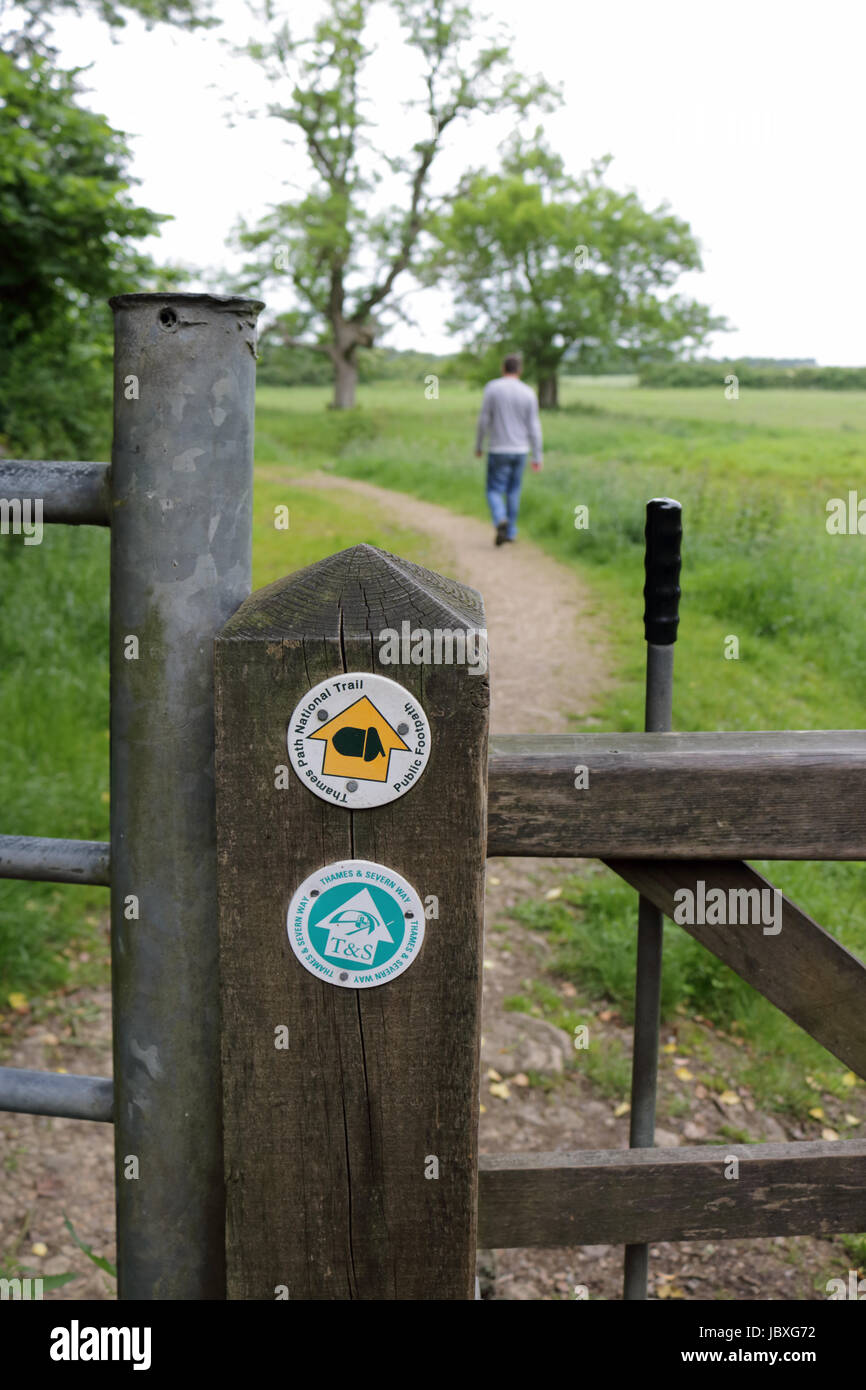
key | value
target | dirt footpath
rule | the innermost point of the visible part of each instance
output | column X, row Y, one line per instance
column 526, row 596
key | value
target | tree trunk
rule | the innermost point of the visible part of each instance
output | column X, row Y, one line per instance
column 548, row 391
column 345, row 381
column 348, row 336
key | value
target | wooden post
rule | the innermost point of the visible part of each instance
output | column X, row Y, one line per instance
column 350, row 1115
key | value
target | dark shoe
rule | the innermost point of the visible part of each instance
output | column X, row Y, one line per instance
column 501, row 529
column 510, row 540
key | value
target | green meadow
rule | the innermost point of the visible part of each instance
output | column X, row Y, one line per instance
column 754, row 476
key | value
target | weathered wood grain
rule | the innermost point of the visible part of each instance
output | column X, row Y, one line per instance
column 803, row 970
column 632, row 1196
column 325, row 1144
column 798, row 795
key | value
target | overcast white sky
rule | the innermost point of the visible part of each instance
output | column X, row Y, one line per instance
column 747, row 117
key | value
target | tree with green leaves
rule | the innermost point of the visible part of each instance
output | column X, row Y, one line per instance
column 66, row 224
column 342, row 253
column 565, row 268
column 67, row 232
column 26, row 25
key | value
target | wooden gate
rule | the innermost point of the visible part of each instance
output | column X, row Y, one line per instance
column 329, row 1140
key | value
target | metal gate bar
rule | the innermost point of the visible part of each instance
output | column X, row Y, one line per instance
column 55, row 861
column 75, row 493
column 55, row 1093
column 181, row 563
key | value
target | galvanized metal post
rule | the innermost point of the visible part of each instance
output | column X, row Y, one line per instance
column 661, row 617
column 181, row 519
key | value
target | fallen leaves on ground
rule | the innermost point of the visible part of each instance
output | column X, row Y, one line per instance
column 667, row 1288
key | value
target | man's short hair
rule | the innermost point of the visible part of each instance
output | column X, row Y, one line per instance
column 513, row 362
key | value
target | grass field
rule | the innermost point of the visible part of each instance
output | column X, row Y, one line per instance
column 757, row 560
column 54, row 709
column 754, row 476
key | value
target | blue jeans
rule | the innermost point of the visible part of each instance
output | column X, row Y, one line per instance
column 504, row 476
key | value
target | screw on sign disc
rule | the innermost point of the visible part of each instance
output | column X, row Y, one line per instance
column 358, row 740
column 356, row 924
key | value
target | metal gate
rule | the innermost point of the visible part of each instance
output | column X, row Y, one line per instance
column 668, row 812
column 178, row 499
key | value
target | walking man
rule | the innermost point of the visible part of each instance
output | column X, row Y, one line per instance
column 509, row 414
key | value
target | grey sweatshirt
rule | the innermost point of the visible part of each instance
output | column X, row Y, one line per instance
column 509, row 413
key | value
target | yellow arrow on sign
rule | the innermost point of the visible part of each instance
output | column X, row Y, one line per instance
column 359, row 743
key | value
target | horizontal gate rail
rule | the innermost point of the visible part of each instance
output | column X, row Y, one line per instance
column 634, row 1196
column 801, row 968
column 797, row 795
column 672, row 796
column 55, row 861
column 55, row 1093
column 76, row 493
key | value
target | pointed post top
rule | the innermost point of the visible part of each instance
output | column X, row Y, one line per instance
column 350, row 593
